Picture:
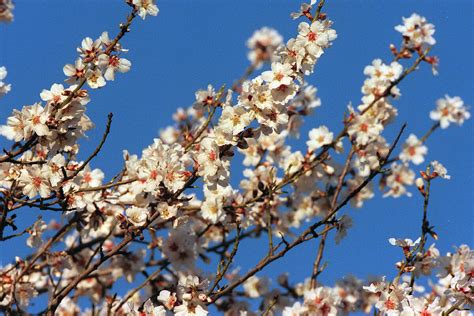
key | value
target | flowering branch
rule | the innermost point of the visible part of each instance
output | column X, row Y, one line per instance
column 322, row 242
column 172, row 212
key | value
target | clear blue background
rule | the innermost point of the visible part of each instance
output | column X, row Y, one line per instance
column 193, row 43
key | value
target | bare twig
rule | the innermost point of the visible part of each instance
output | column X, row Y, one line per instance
column 221, row 273
column 322, row 242
column 94, row 153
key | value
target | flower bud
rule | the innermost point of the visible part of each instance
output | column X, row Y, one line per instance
column 187, row 296
column 420, row 184
column 383, row 152
column 283, row 279
column 433, row 234
column 329, row 169
column 393, row 49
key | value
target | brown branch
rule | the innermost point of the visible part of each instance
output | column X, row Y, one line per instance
column 307, row 235
column 56, row 300
column 27, row 146
column 107, row 186
column 429, row 132
column 425, row 228
column 14, row 235
column 222, row 272
column 29, row 264
column 269, row 229
column 318, row 10
column 142, row 285
column 94, row 153
column 19, row 162
column 455, row 307
column 270, row 306
column 310, row 232
column 322, row 242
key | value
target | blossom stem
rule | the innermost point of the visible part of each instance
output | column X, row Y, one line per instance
column 429, row 132
column 318, row 10
column 96, row 151
column 424, row 226
column 455, row 307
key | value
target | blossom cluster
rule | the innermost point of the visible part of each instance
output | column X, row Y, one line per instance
column 454, row 283
column 4, row 87
column 450, row 110
column 263, row 44
column 96, row 64
column 144, row 7
column 6, row 10
column 394, row 298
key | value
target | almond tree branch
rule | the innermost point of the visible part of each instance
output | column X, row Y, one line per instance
column 107, row 186
column 223, row 271
column 149, row 279
column 94, row 153
column 213, row 108
column 310, row 232
column 56, row 300
column 425, row 226
column 322, row 242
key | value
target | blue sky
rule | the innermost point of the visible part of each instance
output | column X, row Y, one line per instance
column 193, row 43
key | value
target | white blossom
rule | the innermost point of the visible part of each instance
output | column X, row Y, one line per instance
column 146, row 7
column 4, row 88
column 318, row 137
column 137, row 215
column 440, row 170
column 450, row 110
column 417, row 31
column 413, row 150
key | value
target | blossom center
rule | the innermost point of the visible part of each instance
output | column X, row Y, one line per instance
column 114, row 61
column 212, row 155
column 312, row 36
column 279, row 76
column 36, row 120
column 389, row 304
column 37, row 181
column 364, row 127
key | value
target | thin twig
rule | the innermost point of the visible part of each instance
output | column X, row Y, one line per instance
column 107, row 186
column 142, row 285
column 318, row 10
column 322, row 242
column 222, row 272
column 95, row 152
